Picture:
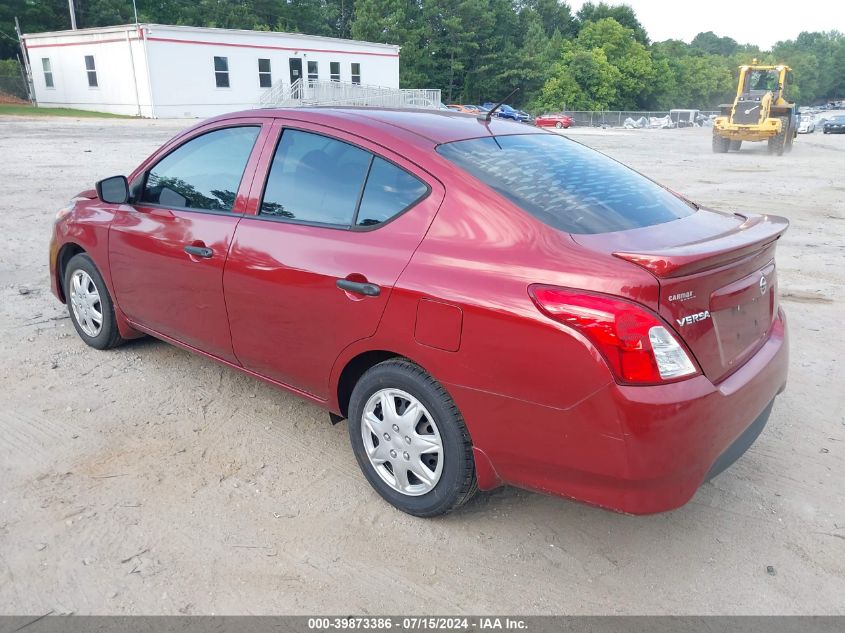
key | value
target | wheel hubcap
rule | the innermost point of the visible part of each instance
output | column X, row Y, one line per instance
column 410, row 459
column 85, row 303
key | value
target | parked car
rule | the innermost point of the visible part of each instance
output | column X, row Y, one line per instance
column 835, row 125
column 506, row 308
column 506, row 112
column 466, row 109
column 558, row 120
column 806, row 125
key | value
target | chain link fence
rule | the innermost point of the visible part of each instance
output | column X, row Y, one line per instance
column 617, row 118
column 13, row 88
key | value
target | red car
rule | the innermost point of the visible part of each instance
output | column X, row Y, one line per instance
column 553, row 120
column 486, row 303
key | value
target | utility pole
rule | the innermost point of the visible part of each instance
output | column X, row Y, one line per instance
column 25, row 65
column 72, row 14
column 135, row 10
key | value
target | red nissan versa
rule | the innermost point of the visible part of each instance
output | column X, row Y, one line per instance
column 487, row 303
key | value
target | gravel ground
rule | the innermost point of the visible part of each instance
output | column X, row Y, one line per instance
column 148, row 480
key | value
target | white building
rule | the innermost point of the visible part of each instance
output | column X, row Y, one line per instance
column 154, row 70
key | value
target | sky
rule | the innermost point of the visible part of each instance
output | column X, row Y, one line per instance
column 761, row 23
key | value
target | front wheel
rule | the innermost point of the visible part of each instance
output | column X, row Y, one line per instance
column 410, row 440
column 720, row 143
column 89, row 303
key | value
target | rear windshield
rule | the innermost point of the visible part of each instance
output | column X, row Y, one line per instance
column 565, row 184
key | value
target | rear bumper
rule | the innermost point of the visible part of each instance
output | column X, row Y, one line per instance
column 638, row 450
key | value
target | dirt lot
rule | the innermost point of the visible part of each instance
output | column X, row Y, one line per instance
column 147, row 480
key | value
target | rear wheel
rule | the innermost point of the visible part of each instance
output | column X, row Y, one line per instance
column 410, row 440
column 89, row 304
column 720, row 143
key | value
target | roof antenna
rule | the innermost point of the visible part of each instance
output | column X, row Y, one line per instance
column 486, row 116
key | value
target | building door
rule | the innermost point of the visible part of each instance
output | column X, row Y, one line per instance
column 295, row 69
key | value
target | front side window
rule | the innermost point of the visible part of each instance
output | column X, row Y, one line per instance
column 221, row 72
column 48, row 72
column 334, row 70
column 204, row 173
column 265, row 77
column 91, row 70
column 356, row 73
column 313, row 71
column 564, row 184
column 321, row 180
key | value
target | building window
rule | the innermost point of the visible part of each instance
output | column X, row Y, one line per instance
column 221, row 72
column 91, row 69
column 313, row 71
column 265, row 78
column 334, row 70
column 48, row 72
column 356, row 73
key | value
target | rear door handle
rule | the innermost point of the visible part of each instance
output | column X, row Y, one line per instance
column 199, row 251
column 359, row 287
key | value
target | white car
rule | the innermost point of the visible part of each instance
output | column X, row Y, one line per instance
column 806, row 126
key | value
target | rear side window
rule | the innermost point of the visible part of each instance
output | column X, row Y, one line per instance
column 565, row 184
column 204, row 173
column 320, row 180
column 389, row 191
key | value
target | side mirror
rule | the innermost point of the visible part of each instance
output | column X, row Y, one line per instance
column 114, row 190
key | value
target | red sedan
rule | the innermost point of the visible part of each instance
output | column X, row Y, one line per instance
column 485, row 303
column 553, row 120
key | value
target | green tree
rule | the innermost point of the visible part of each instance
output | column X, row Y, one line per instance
column 627, row 54
column 623, row 13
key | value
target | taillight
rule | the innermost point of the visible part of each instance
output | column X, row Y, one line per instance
column 636, row 344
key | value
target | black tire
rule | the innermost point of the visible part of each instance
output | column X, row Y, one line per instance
column 777, row 143
column 735, row 145
column 720, row 143
column 457, row 482
column 108, row 335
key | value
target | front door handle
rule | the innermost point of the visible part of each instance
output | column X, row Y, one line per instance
column 359, row 287
column 199, row 251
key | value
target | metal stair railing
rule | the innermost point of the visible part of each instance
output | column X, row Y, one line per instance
column 307, row 93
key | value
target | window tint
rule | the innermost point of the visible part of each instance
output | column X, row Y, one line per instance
column 48, row 72
column 389, row 191
column 564, row 184
column 334, row 71
column 204, row 173
column 221, row 72
column 315, row 179
column 91, row 70
column 265, row 78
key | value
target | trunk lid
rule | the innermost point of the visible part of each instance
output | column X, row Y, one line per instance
column 717, row 276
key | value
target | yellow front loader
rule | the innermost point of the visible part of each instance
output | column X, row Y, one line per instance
column 760, row 112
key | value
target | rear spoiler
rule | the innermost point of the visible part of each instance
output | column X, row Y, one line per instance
column 755, row 233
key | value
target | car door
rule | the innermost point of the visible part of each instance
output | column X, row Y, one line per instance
column 167, row 249
column 311, row 270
